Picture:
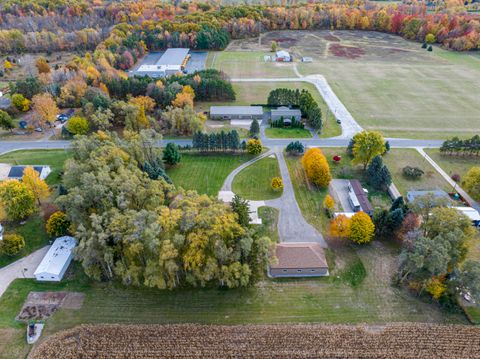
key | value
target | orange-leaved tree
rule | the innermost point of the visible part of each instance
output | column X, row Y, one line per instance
column 340, row 227
column 316, row 167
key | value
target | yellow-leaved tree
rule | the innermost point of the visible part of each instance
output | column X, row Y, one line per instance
column 328, row 204
column 340, row 227
column 316, row 167
column 39, row 187
column 361, row 228
column 17, row 200
column 277, row 183
column 45, row 108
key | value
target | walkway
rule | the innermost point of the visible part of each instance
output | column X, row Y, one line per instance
column 17, row 269
column 447, row 178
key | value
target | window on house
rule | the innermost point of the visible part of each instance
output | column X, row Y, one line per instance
column 299, row 270
column 284, row 271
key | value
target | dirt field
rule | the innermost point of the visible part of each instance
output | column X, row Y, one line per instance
column 42, row 305
column 387, row 83
column 274, row 341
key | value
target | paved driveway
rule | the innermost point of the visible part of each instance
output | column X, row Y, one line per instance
column 339, row 190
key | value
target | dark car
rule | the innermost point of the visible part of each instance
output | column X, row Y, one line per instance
column 64, row 117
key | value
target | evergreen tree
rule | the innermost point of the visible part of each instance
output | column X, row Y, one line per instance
column 254, row 128
column 171, row 155
column 154, row 169
column 240, row 207
column 378, row 174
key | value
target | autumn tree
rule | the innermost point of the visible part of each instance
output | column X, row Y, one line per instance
column 146, row 102
column 57, row 224
column 316, row 167
column 340, row 227
column 277, row 183
column 42, row 65
column 362, row 228
column 72, row 92
column 471, row 182
column 17, row 200
column 367, row 145
column 20, row 102
column 78, row 125
column 11, row 244
column 254, row 146
column 184, row 98
column 6, row 121
column 328, row 204
column 45, row 108
column 182, row 121
column 39, row 187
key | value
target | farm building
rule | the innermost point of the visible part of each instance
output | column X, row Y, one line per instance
column 299, row 260
column 283, row 56
column 16, row 172
column 471, row 213
column 307, row 59
column 286, row 113
column 358, row 197
column 170, row 63
column 437, row 193
column 236, row 112
column 55, row 263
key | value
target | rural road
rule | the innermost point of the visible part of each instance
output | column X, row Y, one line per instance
column 16, row 269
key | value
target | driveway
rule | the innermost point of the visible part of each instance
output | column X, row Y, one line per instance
column 17, row 269
column 339, row 190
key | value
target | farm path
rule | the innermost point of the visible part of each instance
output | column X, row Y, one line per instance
column 447, row 178
column 349, row 125
column 17, row 269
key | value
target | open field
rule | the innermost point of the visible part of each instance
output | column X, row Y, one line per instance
column 387, row 83
column 205, row 173
column 53, row 158
column 268, row 228
column 254, row 182
column 453, row 164
column 287, row 133
column 257, row 93
column 194, row 341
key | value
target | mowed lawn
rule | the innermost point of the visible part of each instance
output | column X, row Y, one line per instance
column 54, row 158
column 205, row 173
column 254, row 182
column 287, row 133
column 453, row 164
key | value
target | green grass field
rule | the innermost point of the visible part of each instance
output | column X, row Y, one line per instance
column 287, row 133
column 268, row 227
column 453, row 164
column 254, row 182
column 205, row 173
column 53, row 158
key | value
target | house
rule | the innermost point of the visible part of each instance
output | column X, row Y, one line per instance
column 286, row 113
column 171, row 62
column 236, row 112
column 437, row 193
column 471, row 213
column 282, row 56
column 55, row 263
column 16, row 172
column 299, row 260
column 358, row 197
column 307, row 59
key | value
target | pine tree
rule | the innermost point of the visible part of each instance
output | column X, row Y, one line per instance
column 254, row 128
column 378, row 174
column 171, row 155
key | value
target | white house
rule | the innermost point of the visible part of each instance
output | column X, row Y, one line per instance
column 16, row 172
column 55, row 263
column 282, row 56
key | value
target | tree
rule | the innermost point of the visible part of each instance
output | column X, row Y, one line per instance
column 316, row 167
column 182, row 121
column 274, row 46
column 184, row 98
column 295, row 148
column 362, row 228
column 57, row 225
column 471, row 182
column 367, row 145
column 254, row 146
column 42, row 65
column 6, row 121
column 154, row 169
column 11, row 244
column 28, row 87
column 340, row 227
column 17, row 200
column 277, row 183
column 254, row 128
column 467, row 279
column 171, row 154
column 378, row 174
column 45, row 108
column 72, row 92
column 7, row 65
column 328, row 204
column 20, row 102
column 39, row 187
column 241, row 208
column 78, row 125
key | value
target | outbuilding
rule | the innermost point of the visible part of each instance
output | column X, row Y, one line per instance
column 471, row 213
column 358, row 198
column 299, row 260
column 16, row 172
column 236, row 112
column 171, row 62
column 436, row 193
column 283, row 56
column 55, row 263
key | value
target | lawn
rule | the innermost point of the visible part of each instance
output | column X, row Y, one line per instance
column 254, row 182
column 205, row 173
column 33, row 231
column 268, row 228
column 287, row 133
column 53, row 158
column 453, row 164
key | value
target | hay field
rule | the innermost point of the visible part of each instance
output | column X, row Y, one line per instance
column 387, row 83
column 273, row 341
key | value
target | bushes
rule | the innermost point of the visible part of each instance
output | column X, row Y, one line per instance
column 11, row 244
column 412, row 172
column 295, row 148
column 316, row 167
column 254, row 146
column 57, row 225
column 277, row 183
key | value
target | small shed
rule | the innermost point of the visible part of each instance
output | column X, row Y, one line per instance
column 358, row 198
column 307, row 59
column 299, row 260
column 286, row 113
column 283, row 56
column 55, row 263
column 16, row 172
column 436, row 193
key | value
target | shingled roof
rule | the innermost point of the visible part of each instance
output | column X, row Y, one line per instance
column 300, row 255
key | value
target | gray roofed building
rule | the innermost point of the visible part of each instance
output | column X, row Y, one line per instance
column 437, row 193
column 236, row 112
column 299, row 260
column 286, row 113
column 358, row 198
column 16, row 172
column 173, row 57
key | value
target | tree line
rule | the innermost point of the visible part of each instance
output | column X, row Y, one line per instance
column 221, row 141
column 456, row 146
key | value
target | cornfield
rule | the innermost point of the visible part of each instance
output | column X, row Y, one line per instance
column 270, row 341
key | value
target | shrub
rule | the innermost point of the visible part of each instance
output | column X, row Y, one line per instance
column 430, row 48
column 12, row 244
column 58, row 224
column 456, row 177
column 430, row 39
column 254, row 146
column 412, row 172
column 295, row 148
column 340, row 227
column 362, row 228
column 471, row 182
column 277, row 183
column 20, row 102
column 78, row 125
column 328, row 204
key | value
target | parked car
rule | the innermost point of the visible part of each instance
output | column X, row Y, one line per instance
column 339, row 121
column 38, row 129
column 64, row 117
column 23, row 124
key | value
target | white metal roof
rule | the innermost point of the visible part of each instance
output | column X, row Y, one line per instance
column 285, row 111
column 470, row 212
column 282, row 53
column 57, row 256
column 236, row 110
column 173, row 57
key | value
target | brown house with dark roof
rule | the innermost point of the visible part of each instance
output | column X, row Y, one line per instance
column 299, row 260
